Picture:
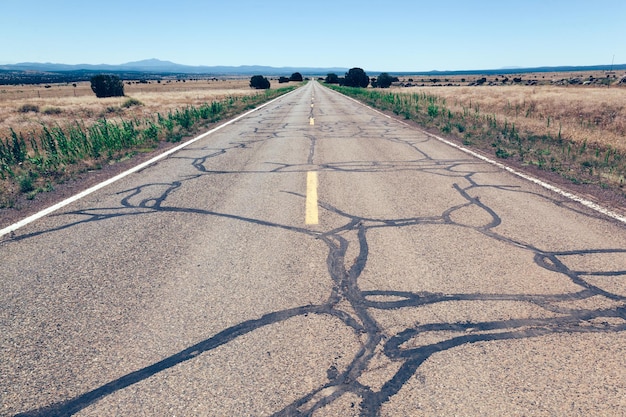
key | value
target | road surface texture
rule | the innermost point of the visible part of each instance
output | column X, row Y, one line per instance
column 315, row 258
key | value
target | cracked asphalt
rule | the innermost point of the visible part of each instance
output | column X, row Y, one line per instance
column 430, row 283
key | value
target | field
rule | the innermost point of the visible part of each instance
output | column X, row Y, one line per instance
column 544, row 104
column 63, row 103
column 50, row 134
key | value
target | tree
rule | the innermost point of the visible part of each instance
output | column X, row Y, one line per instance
column 296, row 76
column 105, row 85
column 259, row 82
column 332, row 79
column 384, row 80
column 356, row 77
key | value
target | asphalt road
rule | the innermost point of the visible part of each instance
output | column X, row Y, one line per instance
column 315, row 258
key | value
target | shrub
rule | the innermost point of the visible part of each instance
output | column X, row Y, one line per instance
column 25, row 108
column 501, row 153
column 356, row 77
column 107, row 86
column 131, row 102
column 52, row 111
column 332, row 79
column 26, row 184
column 296, row 76
column 259, row 82
column 282, row 80
column 384, row 80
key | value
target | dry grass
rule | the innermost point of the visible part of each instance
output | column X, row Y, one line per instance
column 590, row 113
column 56, row 142
column 63, row 103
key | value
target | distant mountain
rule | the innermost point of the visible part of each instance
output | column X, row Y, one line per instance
column 34, row 72
column 516, row 70
column 161, row 67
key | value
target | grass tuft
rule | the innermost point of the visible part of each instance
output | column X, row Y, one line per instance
column 26, row 108
column 52, row 111
column 130, row 102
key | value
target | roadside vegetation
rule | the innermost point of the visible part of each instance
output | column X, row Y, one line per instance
column 49, row 144
column 577, row 132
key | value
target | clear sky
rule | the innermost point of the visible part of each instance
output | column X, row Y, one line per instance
column 375, row 35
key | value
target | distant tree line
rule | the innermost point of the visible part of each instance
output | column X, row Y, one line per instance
column 11, row 77
column 30, row 78
column 356, row 77
column 296, row 76
column 262, row 83
column 19, row 77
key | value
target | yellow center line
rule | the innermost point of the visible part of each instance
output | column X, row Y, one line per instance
column 312, row 121
column 311, row 216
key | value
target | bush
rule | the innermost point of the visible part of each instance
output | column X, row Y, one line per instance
column 52, row 111
column 26, row 184
column 296, row 76
column 384, row 80
column 107, row 86
column 25, row 108
column 131, row 102
column 356, row 77
column 259, row 82
column 332, row 79
column 282, row 80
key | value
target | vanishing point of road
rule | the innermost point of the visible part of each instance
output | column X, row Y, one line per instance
column 315, row 258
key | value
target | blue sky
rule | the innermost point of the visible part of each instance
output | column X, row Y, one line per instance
column 374, row 35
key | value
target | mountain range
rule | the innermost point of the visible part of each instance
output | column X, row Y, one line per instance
column 156, row 66
column 159, row 66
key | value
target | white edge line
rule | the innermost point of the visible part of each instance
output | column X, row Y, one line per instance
column 118, row 177
column 587, row 203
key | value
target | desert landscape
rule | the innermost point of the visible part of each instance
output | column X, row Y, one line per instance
column 570, row 123
column 24, row 108
column 583, row 105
